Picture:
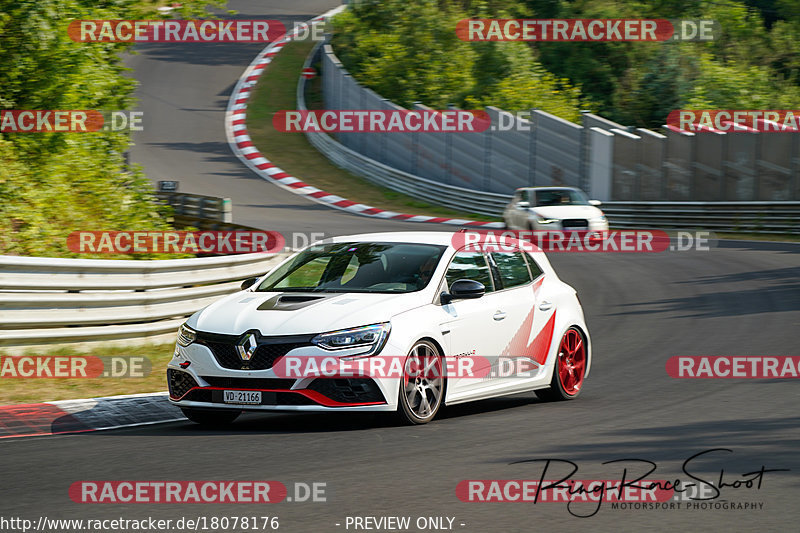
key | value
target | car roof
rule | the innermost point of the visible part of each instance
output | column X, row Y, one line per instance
column 442, row 238
column 420, row 237
column 547, row 188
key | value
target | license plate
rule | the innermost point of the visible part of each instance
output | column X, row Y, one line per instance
column 247, row 397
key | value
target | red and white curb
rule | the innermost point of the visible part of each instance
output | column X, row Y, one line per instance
column 81, row 416
column 242, row 146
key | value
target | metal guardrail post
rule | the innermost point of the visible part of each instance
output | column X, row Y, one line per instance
column 584, row 154
column 227, row 210
column 794, row 177
column 487, row 160
column 532, row 148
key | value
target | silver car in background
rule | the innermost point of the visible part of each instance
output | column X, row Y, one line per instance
column 554, row 209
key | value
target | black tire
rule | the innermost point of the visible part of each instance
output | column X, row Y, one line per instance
column 556, row 392
column 211, row 417
column 412, row 412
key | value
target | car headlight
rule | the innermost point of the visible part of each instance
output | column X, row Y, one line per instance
column 601, row 218
column 542, row 220
column 186, row 335
column 371, row 338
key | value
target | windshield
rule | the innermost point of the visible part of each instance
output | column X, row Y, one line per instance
column 357, row 267
column 561, row 197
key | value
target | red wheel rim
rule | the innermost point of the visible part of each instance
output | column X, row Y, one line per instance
column 571, row 362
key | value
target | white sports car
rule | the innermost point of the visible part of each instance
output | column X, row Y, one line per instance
column 554, row 209
column 426, row 299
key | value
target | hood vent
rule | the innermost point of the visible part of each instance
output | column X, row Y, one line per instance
column 294, row 299
column 290, row 302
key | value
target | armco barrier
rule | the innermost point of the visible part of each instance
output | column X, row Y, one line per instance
column 462, row 199
column 745, row 217
column 46, row 301
column 202, row 212
column 749, row 217
column 542, row 149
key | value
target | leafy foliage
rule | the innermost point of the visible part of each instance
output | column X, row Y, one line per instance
column 407, row 51
column 53, row 183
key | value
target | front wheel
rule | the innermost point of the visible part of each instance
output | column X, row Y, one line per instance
column 569, row 369
column 422, row 386
column 209, row 417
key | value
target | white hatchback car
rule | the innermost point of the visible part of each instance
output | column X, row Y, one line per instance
column 554, row 208
column 421, row 296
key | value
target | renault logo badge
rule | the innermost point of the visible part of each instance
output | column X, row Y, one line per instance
column 247, row 347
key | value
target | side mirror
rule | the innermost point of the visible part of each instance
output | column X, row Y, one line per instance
column 249, row 282
column 523, row 205
column 463, row 289
column 595, row 203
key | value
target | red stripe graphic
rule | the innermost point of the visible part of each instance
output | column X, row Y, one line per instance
column 538, row 348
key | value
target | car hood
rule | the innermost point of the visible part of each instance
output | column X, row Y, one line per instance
column 281, row 314
column 568, row 211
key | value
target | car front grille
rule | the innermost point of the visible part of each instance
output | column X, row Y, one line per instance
column 179, row 383
column 576, row 223
column 269, row 349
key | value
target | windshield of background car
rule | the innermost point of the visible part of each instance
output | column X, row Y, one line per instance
column 357, row 267
column 561, row 197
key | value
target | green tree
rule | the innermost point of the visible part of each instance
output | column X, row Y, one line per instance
column 408, row 51
column 53, row 183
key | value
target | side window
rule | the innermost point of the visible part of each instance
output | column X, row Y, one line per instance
column 512, row 269
column 536, row 271
column 469, row 265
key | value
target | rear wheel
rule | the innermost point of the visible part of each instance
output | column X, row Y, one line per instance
column 422, row 386
column 209, row 417
column 569, row 369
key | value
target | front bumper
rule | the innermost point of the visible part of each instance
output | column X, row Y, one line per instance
column 569, row 225
column 197, row 377
column 187, row 390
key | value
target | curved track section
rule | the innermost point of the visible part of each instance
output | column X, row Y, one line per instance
column 184, row 93
column 248, row 154
column 738, row 299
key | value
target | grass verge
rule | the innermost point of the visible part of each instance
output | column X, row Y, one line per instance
column 34, row 390
column 292, row 152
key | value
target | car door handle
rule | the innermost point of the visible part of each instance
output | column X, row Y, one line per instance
column 545, row 306
column 499, row 315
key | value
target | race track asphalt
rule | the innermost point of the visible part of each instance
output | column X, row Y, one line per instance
column 737, row 299
column 184, row 92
